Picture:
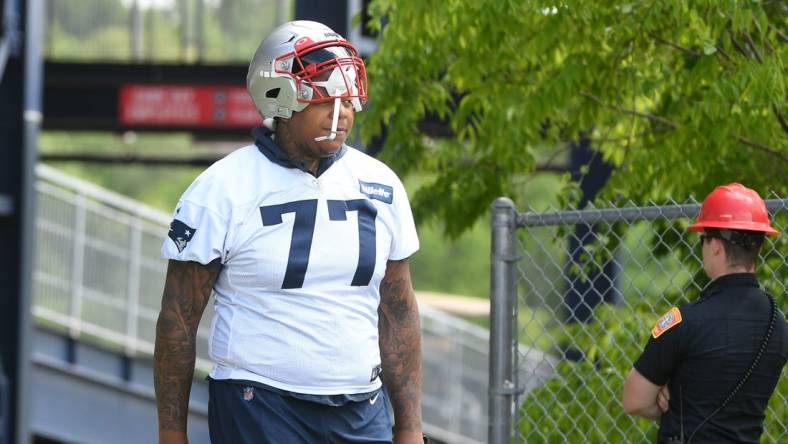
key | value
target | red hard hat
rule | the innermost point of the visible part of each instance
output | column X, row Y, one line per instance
column 733, row 207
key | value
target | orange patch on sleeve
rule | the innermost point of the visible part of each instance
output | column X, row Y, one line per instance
column 665, row 323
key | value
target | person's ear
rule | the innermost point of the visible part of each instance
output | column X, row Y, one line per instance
column 717, row 247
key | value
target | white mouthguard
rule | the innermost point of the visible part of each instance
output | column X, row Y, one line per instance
column 334, row 122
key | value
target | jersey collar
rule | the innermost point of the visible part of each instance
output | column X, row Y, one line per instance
column 729, row 280
column 274, row 153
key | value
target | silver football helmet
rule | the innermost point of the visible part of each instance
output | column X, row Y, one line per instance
column 303, row 62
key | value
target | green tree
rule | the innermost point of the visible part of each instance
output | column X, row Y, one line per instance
column 679, row 96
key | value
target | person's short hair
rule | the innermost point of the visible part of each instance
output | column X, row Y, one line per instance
column 741, row 247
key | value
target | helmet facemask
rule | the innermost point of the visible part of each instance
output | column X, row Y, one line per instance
column 324, row 72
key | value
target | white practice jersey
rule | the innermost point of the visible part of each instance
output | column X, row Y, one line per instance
column 303, row 257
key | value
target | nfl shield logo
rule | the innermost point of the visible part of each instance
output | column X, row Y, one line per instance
column 248, row 393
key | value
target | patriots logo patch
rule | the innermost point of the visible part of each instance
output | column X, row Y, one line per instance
column 665, row 323
column 377, row 191
column 181, row 234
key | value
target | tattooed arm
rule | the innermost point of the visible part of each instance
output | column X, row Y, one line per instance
column 400, row 350
column 186, row 291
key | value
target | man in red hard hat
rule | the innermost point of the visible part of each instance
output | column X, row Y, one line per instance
column 710, row 366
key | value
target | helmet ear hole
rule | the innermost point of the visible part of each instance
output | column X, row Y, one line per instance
column 272, row 93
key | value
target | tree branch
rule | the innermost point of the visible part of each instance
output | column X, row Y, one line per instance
column 751, row 44
column 780, row 35
column 768, row 45
column 780, row 118
column 672, row 125
column 738, row 46
column 724, row 54
column 656, row 131
column 676, row 46
column 548, row 164
column 652, row 117
column 765, row 148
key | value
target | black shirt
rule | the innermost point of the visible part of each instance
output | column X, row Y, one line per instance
column 704, row 356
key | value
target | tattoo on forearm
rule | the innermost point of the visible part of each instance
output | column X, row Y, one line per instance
column 186, row 292
column 400, row 345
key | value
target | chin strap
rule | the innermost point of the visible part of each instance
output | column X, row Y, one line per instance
column 334, row 122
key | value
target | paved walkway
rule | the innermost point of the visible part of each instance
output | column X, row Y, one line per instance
column 455, row 304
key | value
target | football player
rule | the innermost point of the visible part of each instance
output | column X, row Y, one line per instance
column 304, row 243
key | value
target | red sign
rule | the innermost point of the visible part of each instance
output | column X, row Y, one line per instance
column 187, row 106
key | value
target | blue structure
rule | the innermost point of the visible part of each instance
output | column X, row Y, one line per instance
column 89, row 394
column 600, row 286
column 20, row 117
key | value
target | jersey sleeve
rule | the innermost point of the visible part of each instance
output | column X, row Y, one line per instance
column 662, row 353
column 197, row 231
column 404, row 240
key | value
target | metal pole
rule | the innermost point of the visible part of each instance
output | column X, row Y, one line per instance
column 148, row 18
column 77, row 266
column 133, row 286
column 503, row 295
column 5, row 395
column 281, row 12
column 9, row 45
column 136, row 32
column 185, row 28
column 199, row 29
column 34, row 32
column 455, row 378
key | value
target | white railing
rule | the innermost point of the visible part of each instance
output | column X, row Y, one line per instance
column 98, row 274
column 98, row 277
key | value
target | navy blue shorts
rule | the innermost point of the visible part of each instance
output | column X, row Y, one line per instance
column 244, row 414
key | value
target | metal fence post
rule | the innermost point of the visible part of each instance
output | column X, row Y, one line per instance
column 136, row 32
column 133, row 286
column 199, row 31
column 77, row 266
column 282, row 12
column 503, row 296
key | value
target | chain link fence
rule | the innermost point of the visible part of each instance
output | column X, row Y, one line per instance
column 584, row 287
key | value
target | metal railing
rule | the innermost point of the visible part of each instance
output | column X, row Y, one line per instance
column 99, row 277
column 585, row 287
column 98, row 273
